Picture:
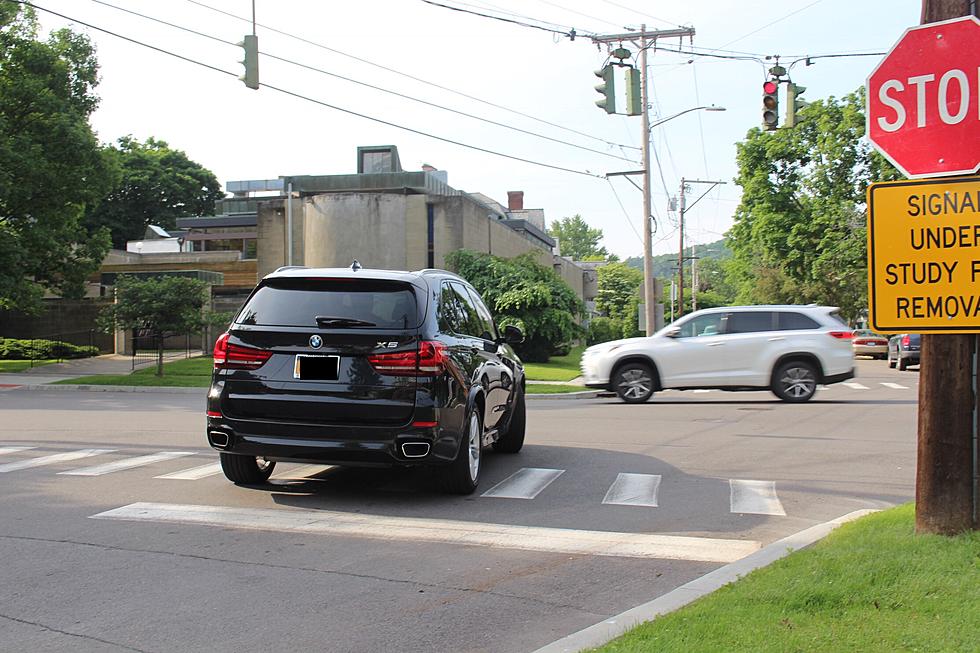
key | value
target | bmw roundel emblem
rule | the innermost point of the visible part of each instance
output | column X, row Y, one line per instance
column 316, row 342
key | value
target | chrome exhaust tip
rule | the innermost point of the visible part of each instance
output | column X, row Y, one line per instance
column 415, row 449
column 218, row 439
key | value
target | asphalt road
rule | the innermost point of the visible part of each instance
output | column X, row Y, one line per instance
column 621, row 504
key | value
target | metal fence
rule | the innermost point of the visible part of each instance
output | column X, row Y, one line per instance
column 146, row 347
column 41, row 349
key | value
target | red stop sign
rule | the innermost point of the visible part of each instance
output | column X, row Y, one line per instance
column 924, row 100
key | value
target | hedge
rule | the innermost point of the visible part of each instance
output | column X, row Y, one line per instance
column 12, row 349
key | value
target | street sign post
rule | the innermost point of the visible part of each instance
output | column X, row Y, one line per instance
column 923, row 105
column 924, row 256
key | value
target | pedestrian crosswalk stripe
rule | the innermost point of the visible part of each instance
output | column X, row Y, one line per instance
column 194, row 473
column 52, row 459
column 634, row 490
column 452, row 532
column 127, row 463
column 755, row 498
column 526, row 483
column 855, row 386
column 299, row 473
column 702, row 390
column 895, row 386
column 6, row 450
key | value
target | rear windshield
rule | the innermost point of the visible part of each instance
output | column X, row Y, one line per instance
column 332, row 303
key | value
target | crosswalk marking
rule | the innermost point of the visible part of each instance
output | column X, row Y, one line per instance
column 52, row 459
column 855, row 386
column 6, row 450
column 526, row 483
column 194, row 473
column 634, row 490
column 453, row 532
column 755, row 498
column 896, row 386
column 299, row 473
column 701, row 391
column 127, row 463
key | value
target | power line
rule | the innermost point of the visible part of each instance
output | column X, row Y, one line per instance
column 371, row 86
column 573, row 11
column 626, row 214
column 309, row 99
column 406, row 75
column 778, row 20
column 483, row 4
column 570, row 34
column 636, row 11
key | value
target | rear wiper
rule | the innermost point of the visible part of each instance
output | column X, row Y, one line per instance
column 327, row 321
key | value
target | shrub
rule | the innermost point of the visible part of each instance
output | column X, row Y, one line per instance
column 14, row 349
column 604, row 329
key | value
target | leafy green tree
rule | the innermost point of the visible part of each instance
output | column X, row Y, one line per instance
column 157, row 185
column 51, row 165
column 799, row 233
column 522, row 292
column 619, row 297
column 158, row 307
column 577, row 240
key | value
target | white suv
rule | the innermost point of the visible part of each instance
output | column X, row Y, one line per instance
column 786, row 349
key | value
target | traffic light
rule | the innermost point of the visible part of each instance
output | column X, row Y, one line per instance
column 607, row 88
column 793, row 103
column 251, row 61
column 770, row 105
column 634, row 100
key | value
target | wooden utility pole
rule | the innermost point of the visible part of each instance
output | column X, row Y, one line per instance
column 945, row 483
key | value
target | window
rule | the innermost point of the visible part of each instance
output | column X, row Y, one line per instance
column 705, row 325
column 470, row 323
column 489, row 331
column 795, row 322
column 750, row 321
column 449, row 314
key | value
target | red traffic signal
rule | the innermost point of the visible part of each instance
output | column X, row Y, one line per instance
column 770, row 105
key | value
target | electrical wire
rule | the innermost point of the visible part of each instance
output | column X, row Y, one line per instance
column 636, row 11
column 404, row 74
column 570, row 34
column 579, row 13
column 626, row 214
column 307, row 98
column 482, row 4
column 367, row 85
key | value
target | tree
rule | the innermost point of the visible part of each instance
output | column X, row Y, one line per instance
column 51, row 165
column 799, row 233
column 158, row 307
column 157, row 185
column 577, row 240
column 619, row 298
column 522, row 292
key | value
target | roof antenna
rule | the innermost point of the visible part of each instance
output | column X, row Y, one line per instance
column 355, row 266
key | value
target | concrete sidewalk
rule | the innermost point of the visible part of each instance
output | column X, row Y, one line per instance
column 71, row 369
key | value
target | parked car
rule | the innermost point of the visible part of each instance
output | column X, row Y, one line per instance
column 786, row 349
column 869, row 343
column 365, row 367
column 903, row 350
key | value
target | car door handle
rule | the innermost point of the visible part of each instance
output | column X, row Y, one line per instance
column 715, row 344
column 776, row 339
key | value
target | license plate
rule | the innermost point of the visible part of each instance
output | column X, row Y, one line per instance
column 315, row 367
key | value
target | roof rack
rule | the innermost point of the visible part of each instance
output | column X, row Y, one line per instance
column 292, row 267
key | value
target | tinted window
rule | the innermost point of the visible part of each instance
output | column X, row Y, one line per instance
column 298, row 302
column 470, row 322
column 750, row 322
column 704, row 325
column 795, row 321
column 449, row 315
column 486, row 320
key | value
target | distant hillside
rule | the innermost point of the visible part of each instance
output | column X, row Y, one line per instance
column 665, row 265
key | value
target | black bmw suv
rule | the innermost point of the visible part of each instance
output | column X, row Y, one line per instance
column 365, row 367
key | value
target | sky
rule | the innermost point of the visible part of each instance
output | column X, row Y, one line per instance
column 536, row 81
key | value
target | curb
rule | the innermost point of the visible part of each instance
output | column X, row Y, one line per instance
column 611, row 628
column 585, row 394
column 113, row 388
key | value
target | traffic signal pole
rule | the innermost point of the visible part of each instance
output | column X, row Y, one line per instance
column 947, row 464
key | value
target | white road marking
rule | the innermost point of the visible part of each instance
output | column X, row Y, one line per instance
column 194, row 473
column 855, row 386
column 525, row 483
column 299, row 473
column 6, row 450
column 52, row 459
column 896, row 386
column 380, row 527
column 755, row 498
column 127, row 463
column 702, row 390
column 634, row 490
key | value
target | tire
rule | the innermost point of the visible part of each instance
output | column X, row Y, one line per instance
column 513, row 439
column 462, row 475
column 903, row 364
column 795, row 382
column 246, row 470
column 633, row 383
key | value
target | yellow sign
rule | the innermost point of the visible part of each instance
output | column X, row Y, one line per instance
column 924, row 256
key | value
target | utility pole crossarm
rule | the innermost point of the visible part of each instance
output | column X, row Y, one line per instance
column 652, row 35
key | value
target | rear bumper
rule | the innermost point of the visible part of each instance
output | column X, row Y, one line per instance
column 338, row 445
column 837, row 378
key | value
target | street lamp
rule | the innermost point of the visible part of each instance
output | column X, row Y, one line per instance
column 710, row 107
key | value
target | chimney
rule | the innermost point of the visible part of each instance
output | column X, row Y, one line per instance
column 427, row 168
column 515, row 200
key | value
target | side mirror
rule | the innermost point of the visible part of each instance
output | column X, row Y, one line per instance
column 672, row 332
column 512, row 335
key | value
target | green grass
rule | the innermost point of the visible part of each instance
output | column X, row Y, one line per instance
column 871, row 585
column 19, row 366
column 183, row 373
column 558, row 368
column 552, row 389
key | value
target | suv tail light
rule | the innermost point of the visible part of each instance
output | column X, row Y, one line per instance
column 906, row 340
column 841, row 335
column 228, row 356
column 428, row 360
